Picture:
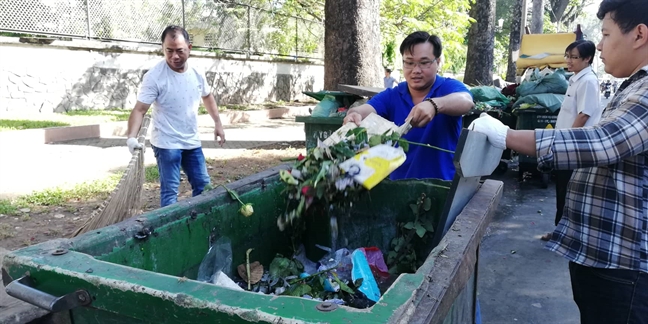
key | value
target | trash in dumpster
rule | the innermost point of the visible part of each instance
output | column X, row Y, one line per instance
column 326, row 107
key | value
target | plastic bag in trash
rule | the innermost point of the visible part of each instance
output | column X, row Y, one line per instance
column 218, row 259
column 376, row 261
column 341, row 261
column 325, row 107
column 361, row 270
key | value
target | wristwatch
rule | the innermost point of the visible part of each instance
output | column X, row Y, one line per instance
column 436, row 108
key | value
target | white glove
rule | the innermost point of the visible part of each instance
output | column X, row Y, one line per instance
column 133, row 144
column 493, row 128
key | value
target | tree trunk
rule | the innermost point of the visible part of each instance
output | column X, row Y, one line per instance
column 352, row 43
column 481, row 43
column 537, row 17
column 515, row 39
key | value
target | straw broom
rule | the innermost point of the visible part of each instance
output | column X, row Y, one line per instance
column 124, row 201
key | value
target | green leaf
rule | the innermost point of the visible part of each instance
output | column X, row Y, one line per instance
column 300, row 290
column 317, row 154
column 403, row 144
column 279, row 267
column 428, row 226
column 343, row 286
column 375, row 140
column 395, row 136
column 409, row 225
column 420, row 230
column 414, row 208
column 427, row 204
column 358, row 282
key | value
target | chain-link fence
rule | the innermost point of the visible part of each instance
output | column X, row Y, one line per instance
column 219, row 25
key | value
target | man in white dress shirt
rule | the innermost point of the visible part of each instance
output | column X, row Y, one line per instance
column 581, row 107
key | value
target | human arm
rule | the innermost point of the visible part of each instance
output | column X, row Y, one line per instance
column 212, row 109
column 622, row 134
column 587, row 102
column 453, row 104
column 580, row 120
column 357, row 114
column 147, row 95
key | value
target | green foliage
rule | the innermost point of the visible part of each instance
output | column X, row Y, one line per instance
column 402, row 257
column 19, row 124
column 448, row 19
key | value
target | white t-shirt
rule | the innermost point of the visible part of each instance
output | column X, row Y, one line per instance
column 175, row 98
column 582, row 97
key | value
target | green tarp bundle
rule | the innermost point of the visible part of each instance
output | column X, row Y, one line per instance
column 489, row 95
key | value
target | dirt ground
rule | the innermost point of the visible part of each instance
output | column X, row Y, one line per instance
column 38, row 224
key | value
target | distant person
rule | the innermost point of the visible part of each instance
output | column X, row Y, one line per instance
column 580, row 108
column 177, row 89
column 604, row 231
column 389, row 80
column 615, row 86
column 434, row 104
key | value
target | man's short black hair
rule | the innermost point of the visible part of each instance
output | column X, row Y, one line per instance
column 420, row 37
column 173, row 31
column 627, row 14
column 388, row 70
column 585, row 49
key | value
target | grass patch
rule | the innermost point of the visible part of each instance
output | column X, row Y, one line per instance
column 6, row 231
column 116, row 114
column 151, row 174
column 80, row 192
column 8, row 207
column 20, row 124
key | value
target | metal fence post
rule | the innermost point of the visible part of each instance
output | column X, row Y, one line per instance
column 249, row 44
column 183, row 15
column 87, row 10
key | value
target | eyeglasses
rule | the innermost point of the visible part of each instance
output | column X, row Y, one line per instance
column 567, row 57
column 423, row 64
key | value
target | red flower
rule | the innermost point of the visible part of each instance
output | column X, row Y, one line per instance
column 300, row 157
column 305, row 190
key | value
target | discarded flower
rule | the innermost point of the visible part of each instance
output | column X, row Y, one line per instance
column 246, row 210
column 300, row 157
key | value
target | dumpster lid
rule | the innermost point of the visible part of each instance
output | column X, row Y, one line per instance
column 337, row 94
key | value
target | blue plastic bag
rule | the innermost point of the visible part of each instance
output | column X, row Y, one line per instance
column 361, row 269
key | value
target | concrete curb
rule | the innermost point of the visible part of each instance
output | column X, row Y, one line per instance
column 61, row 134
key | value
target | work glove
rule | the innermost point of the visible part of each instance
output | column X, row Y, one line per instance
column 133, row 144
column 493, row 128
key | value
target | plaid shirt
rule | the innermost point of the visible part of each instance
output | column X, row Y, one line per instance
column 605, row 223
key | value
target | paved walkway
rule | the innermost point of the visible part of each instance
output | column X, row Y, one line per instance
column 26, row 169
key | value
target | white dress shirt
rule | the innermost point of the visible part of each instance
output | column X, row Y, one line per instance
column 582, row 97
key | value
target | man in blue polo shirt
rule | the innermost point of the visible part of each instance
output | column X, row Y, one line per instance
column 435, row 105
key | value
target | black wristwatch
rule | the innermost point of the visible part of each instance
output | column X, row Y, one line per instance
column 436, row 108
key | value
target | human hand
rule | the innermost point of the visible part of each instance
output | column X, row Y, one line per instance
column 133, row 144
column 219, row 134
column 493, row 128
column 421, row 114
column 352, row 117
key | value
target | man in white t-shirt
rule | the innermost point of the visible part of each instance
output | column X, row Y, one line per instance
column 580, row 108
column 176, row 88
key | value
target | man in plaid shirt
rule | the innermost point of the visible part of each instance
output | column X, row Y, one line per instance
column 604, row 233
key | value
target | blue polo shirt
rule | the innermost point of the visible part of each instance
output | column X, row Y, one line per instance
column 443, row 131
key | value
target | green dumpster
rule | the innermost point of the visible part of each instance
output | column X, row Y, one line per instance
column 142, row 270
column 530, row 119
column 318, row 128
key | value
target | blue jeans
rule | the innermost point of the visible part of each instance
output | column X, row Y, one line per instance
column 610, row 295
column 169, row 162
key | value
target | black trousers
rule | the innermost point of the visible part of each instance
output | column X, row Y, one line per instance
column 562, row 180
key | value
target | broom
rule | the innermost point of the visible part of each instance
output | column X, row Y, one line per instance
column 124, row 201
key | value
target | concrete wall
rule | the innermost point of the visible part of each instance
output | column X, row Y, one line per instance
column 77, row 74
